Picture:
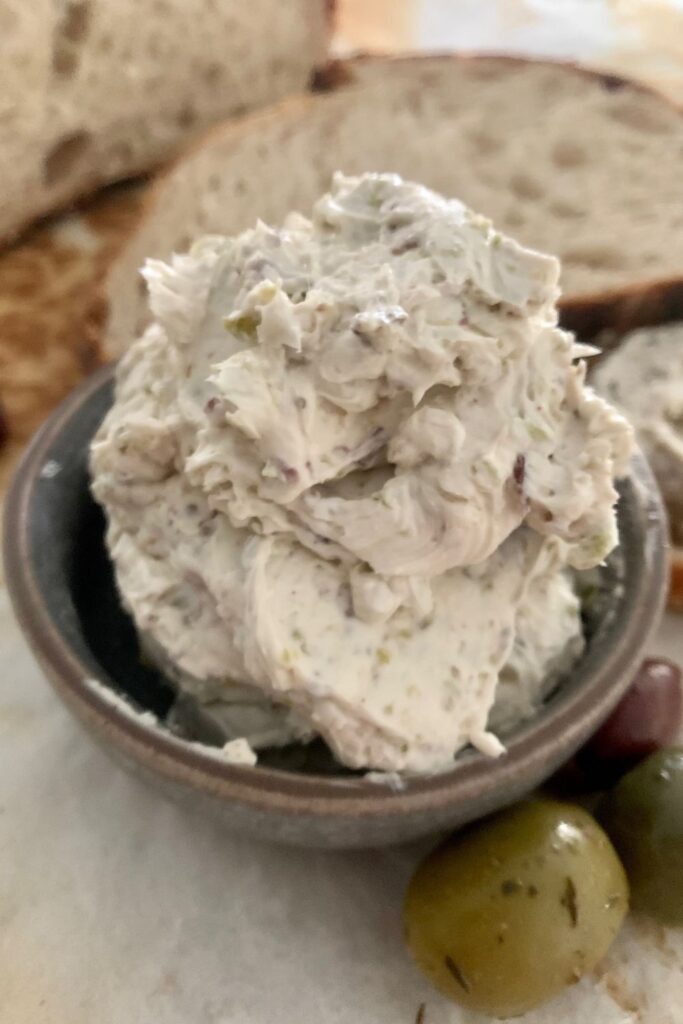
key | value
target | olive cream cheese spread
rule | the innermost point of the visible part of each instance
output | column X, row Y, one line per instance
column 347, row 471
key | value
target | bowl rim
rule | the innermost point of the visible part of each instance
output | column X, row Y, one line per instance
column 549, row 738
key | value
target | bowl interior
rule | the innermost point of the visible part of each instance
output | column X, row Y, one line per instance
column 72, row 572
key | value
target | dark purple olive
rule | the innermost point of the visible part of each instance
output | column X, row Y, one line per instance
column 646, row 719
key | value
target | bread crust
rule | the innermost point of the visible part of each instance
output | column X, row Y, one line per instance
column 640, row 305
column 675, row 601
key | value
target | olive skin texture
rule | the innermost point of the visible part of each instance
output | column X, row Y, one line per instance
column 647, row 718
column 506, row 914
column 643, row 815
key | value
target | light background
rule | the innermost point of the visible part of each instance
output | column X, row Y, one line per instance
column 117, row 908
column 640, row 37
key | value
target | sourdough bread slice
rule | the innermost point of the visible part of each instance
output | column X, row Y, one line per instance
column 95, row 90
column 643, row 377
column 580, row 164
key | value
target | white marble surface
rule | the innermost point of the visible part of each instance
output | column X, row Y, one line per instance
column 118, row 908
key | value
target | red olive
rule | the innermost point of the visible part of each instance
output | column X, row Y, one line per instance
column 647, row 718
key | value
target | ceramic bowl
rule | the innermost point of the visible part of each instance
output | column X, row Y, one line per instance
column 62, row 587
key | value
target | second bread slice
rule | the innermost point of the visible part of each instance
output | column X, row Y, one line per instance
column 579, row 164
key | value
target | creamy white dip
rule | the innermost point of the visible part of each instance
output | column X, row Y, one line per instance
column 347, row 468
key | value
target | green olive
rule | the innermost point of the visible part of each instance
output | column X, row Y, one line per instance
column 643, row 814
column 506, row 914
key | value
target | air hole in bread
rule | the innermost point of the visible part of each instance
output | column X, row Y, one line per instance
column 612, row 83
column 121, row 154
column 64, row 156
column 514, row 218
column 9, row 20
column 487, row 70
column 64, row 61
column 566, row 210
column 595, row 257
column 76, row 20
column 71, row 30
column 142, row 288
column 212, row 74
column 88, row 356
column 483, row 143
column 240, row 187
column 525, row 187
column 568, row 154
column 186, row 117
column 550, row 85
column 640, row 115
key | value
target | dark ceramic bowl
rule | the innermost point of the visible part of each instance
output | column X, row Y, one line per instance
column 61, row 583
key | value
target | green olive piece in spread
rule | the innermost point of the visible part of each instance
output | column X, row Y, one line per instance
column 643, row 814
column 506, row 914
